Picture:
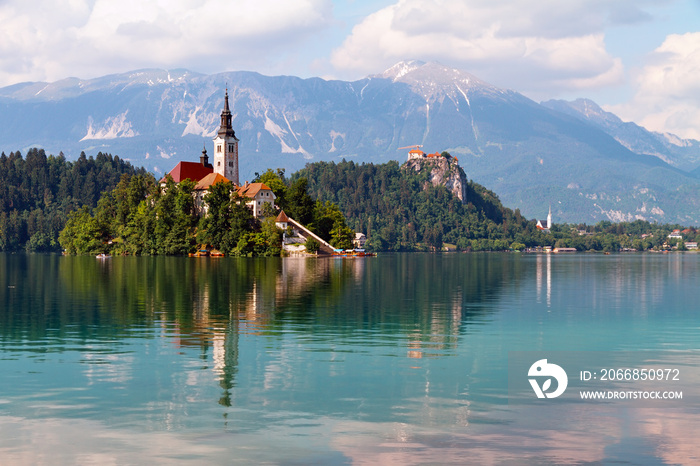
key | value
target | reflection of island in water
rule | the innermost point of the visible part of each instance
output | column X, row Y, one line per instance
column 287, row 334
column 406, row 292
column 423, row 301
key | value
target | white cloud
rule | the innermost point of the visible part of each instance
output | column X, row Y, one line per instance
column 667, row 97
column 52, row 39
column 530, row 46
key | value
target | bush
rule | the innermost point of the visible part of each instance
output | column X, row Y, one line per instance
column 312, row 246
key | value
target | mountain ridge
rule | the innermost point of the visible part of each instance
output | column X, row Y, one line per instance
column 530, row 154
column 676, row 151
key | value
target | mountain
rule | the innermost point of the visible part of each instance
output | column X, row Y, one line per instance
column 532, row 155
column 678, row 152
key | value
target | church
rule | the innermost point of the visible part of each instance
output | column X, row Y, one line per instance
column 225, row 168
column 545, row 225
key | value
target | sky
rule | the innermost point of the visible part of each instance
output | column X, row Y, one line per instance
column 639, row 59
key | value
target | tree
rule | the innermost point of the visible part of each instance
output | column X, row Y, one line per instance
column 433, row 237
column 267, row 211
column 312, row 246
column 140, row 233
column 341, row 236
column 299, row 205
column 271, row 236
column 227, row 218
column 176, row 218
column 327, row 216
column 245, row 245
column 82, row 234
column 561, row 243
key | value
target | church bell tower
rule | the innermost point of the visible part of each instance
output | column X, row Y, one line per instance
column 226, row 147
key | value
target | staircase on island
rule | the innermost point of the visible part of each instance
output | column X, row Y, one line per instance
column 325, row 248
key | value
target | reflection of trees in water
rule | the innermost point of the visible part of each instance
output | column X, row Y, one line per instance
column 108, row 296
column 426, row 299
column 421, row 301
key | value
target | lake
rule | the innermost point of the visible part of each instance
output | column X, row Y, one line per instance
column 394, row 359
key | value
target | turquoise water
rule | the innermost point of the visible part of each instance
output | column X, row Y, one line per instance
column 396, row 359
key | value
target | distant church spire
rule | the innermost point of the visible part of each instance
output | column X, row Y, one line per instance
column 545, row 225
column 226, row 146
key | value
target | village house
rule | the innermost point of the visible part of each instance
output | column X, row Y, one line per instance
column 675, row 234
column 259, row 195
column 202, row 188
column 359, row 240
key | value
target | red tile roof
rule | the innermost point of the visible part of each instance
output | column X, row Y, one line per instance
column 282, row 217
column 194, row 171
column 210, row 180
column 251, row 189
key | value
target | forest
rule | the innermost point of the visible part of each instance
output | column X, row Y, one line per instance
column 398, row 212
column 105, row 205
column 38, row 192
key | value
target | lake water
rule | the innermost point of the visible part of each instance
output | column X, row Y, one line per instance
column 396, row 359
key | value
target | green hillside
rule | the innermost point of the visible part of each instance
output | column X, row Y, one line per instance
column 397, row 213
column 399, row 210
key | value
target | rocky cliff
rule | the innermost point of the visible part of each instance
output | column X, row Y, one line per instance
column 444, row 171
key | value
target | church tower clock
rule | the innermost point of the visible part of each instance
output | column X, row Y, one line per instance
column 226, row 147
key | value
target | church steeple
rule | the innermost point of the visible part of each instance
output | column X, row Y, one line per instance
column 226, row 146
column 225, row 129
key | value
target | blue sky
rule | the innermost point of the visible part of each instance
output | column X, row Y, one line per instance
column 637, row 58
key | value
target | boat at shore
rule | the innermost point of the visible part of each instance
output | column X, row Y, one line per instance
column 206, row 252
column 352, row 253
